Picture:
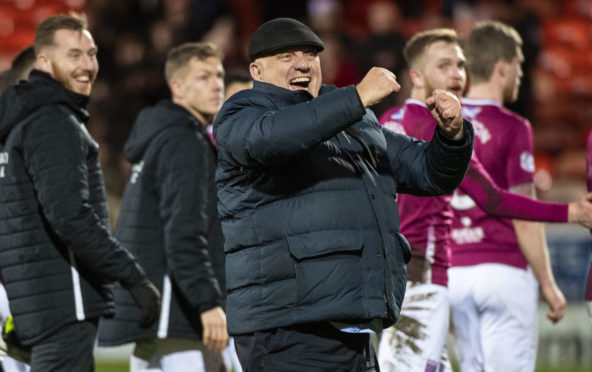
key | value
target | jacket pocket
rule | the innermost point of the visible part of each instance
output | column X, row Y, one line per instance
column 328, row 267
column 322, row 243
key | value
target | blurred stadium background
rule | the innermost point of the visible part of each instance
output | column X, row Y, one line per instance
column 556, row 94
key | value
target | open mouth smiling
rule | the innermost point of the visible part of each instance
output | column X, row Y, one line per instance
column 300, row 82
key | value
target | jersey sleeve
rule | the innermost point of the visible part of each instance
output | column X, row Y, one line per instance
column 501, row 203
column 519, row 165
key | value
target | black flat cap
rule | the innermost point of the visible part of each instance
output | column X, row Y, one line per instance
column 281, row 33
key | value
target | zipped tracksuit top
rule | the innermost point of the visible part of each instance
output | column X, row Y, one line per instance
column 56, row 252
column 169, row 221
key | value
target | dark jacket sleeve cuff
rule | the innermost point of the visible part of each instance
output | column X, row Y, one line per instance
column 360, row 103
column 205, row 306
column 137, row 276
column 466, row 139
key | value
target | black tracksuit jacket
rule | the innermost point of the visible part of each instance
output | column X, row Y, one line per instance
column 168, row 219
column 56, row 252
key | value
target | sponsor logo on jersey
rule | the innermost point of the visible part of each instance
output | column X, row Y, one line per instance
column 136, row 170
column 461, row 202
column 481, row 131
column 3, row 162
column 395, row 126
column 467, row 234
column 470, row 112
column 398, row 115
column 527, row 162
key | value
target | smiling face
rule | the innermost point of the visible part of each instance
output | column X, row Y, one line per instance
column 293, row 69
column 442, row 66
column 71, row 60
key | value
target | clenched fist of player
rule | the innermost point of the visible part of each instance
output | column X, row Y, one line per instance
column 446, row 110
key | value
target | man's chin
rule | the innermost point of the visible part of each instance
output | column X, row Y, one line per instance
column 85, row 91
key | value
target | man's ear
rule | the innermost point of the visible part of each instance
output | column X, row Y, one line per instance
column 43, row 63
column 416, row 77
column 500, row 68
column 255, row 70
column 176, row 87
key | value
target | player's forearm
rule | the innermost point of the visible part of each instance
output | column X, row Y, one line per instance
column 533, row 244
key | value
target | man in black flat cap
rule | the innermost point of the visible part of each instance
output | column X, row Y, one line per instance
column 307, row 182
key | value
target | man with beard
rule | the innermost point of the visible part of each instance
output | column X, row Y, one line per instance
column 416, row 341
column 306, row 181
column 56, row 253
column 496, row 263
column 169, row 220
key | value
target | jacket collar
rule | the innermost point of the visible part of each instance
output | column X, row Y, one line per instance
column 76, row 101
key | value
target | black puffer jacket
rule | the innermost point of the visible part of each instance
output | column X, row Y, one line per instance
column 168, row 219
column 56, row 254
column 306, row 191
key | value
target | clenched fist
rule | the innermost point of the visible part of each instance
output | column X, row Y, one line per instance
column 446, row 110
column 556, row 301
column 377, row 84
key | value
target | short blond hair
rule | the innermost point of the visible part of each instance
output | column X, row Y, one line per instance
column 179, row 57
column 415, row 47
column 44, row 35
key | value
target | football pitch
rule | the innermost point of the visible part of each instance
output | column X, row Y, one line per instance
column 123, row 366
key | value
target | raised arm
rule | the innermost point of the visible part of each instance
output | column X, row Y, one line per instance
column 498, row 202
column 436, row 167
column 255, row 131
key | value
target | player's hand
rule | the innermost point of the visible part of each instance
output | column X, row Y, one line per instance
column 556, row 301
column 377, row 84
column 446, row 110
column 581, row 211
column 215, row 336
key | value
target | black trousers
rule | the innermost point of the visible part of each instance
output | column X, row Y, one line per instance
column 69, row 349
column 313, row 347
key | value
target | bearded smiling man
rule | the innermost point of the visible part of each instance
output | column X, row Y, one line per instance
column 56, row 253
column 70, row 57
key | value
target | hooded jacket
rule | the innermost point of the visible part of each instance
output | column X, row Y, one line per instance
column 56, row 253
column 307, row 198
column 168, row 219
